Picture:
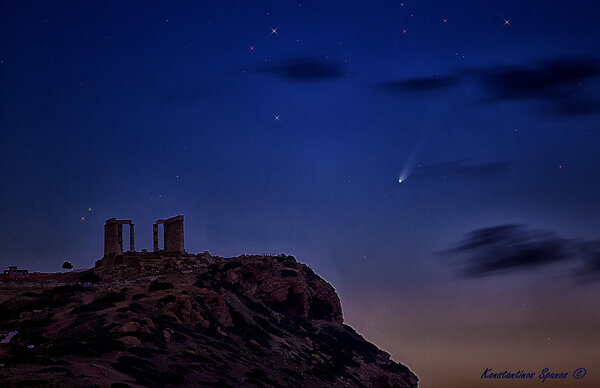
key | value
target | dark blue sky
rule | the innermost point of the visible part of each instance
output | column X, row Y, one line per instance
column 294, row 142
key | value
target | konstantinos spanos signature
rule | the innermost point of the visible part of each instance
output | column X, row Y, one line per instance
column 545, row 374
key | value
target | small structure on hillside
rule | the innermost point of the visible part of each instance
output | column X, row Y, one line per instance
column 13, row 272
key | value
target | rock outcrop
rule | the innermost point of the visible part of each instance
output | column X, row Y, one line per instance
column 247, row 321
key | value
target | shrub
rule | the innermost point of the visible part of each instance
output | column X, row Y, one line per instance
column 231, row 265
column 86, row 308
column 155, row 285
column 286, row 273
column 166, row 300
column 111, row 297
column 89, row 277
column 147, row 373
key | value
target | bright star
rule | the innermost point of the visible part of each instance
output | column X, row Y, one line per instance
column 506, row 22
column 274, row 30
column 82, row 219
column 89, row 209
column 445, row 21
column 404, row 31
column 276, row 118
column 251, row 48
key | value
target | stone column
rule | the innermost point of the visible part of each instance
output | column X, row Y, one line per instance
column 155, row 237
column 120, row 234
column 131, row 239
column 174, row 234
column 111, row 237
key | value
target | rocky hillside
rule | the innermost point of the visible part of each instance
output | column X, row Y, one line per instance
column 246, row 321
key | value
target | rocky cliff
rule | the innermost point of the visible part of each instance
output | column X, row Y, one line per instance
column 213, row 322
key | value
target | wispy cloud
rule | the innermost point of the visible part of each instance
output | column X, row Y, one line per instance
column 306, row 69
column 565, row 83
column 514, row 247
column 558, row 80
column 425, row 84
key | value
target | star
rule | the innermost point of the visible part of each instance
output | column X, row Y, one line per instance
column 404, row 31
column 82, row 219
column 89, row 209
column 444, row 20
column 506, row 22
column 274, row 30
column 251, row 48
column 276, row 117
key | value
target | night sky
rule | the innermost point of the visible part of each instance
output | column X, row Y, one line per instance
column 436, row 161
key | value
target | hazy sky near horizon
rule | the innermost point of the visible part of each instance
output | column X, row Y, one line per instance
column 281, row 126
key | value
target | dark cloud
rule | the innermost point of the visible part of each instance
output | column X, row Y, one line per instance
column 558, row 81
column 566, row 83
column 513, row 247
column 549, row 79
column 590, row 270
column 461, row 168
column 306, row 69
column 420, row 84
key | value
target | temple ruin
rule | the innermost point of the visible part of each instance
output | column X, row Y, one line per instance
column 113, row 236
column 172, row 249
column 173, row 234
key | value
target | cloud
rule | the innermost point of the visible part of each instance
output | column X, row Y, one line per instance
column 557, row 80
column 461, row 168
column 590, row 270
column 306, row 69
column 420, row 84
column 545, row 80
column 514, row 247
column 566, row 83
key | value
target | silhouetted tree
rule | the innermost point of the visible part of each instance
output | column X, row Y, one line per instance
column 67, row 265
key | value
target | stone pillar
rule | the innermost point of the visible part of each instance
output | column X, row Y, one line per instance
column 131, row 239
column 111, row 237
column 174, row 234
column 155, row 237
column 120, row 231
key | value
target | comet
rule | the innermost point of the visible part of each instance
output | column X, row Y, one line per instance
column 410, row 161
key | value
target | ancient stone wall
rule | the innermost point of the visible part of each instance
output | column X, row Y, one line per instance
column 174, row 234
